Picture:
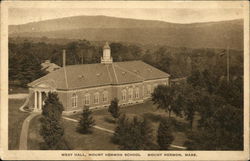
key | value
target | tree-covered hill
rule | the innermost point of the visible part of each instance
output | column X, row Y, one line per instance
column 102, row 28
column 178, row 62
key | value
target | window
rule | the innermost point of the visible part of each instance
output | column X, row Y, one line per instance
column 105, row 96
column 155, row 85
column 74, row 100
column 137, row 92
column 124, row 94
column 148, row 89
column 96, row 98
column 167, row 82
column 87, row 99
column 130, row 93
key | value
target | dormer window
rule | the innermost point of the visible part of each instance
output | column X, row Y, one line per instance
column 81, row 76
column 150, row 70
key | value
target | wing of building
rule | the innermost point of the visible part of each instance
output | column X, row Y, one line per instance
column 95, row 85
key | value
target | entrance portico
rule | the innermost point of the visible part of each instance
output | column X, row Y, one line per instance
column 38, row 99
column 40, row 92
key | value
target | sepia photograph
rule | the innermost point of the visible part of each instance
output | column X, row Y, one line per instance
column 119, row 80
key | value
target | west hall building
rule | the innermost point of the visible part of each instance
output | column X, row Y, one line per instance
column 95, row 85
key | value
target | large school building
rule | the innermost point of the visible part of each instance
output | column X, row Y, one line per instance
column 95, row 85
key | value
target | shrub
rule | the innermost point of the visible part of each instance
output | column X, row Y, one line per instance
column 86, row 121
column 114, row 109
column 135, row 134
column 164, row 135
column 51, row 129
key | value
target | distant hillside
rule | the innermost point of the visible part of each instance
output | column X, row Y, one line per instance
column 103, row 28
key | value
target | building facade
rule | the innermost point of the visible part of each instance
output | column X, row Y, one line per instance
column 95, row 85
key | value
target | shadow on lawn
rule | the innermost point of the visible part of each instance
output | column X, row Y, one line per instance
column 109, row 120
column 179, row 126
column 62, row 145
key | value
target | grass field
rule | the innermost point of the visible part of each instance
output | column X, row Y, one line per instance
column 148, row 110
column 97, row 140
column 16, row 118
column 101, row 140
column 13, row 89
column 34, row 138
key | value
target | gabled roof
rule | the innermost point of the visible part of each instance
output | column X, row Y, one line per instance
column 90, row 75
column 49, row 66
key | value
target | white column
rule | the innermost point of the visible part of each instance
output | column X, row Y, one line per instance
column 35, row 104
column 40, row 100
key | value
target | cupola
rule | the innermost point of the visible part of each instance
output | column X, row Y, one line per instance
column 106, row 58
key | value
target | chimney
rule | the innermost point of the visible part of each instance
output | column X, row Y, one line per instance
column 64, row 58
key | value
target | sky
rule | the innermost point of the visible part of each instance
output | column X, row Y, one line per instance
column 175, row 15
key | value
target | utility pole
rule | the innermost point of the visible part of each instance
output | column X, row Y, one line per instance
column 228, row 65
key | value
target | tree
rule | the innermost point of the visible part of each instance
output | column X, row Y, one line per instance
column 86, row 121
column 164, row 135
column 195, row 78
column 190, row 102
column 51, row 129
column 28, row 69
column 114, row 109
column 135, row 134
column 232, row 92
column 52, row 108
column 121, row 129
column 167, row 98
column 52, row 133
column 222, row 131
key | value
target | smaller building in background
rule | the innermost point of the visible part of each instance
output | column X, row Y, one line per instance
column 49, row 67
column 178, row 81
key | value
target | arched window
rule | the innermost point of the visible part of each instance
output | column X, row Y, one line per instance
column 155, row 85
column 74, row 100
column 136, row 92
column 124, row 95
column 105, row 96
column 86, row 99
column 148, row 89
column 96, row 98
column 130, row 93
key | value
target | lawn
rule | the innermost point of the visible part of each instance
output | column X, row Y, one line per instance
column 16, row 118
column 148, row 110
column 34, row 138
column 101, row 140
column 97, row 140
column 14, row 89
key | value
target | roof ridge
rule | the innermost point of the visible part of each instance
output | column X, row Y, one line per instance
column 127, row 61
column 81, row 64
column 101, row 64
column 66, row 78
column 109, row 74
column 130, row 72
column 115, row 73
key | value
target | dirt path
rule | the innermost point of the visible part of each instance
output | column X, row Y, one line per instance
column 24, row 132
column 18, row 96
